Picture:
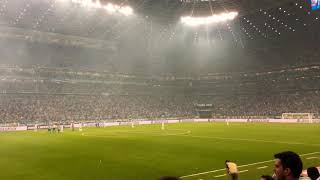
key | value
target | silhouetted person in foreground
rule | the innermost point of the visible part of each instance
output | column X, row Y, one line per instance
column 287, row 166
column 313, row 173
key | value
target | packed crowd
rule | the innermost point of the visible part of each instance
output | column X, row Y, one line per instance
column 271, row 105
column 42, row 108
column 48, row 95
column 28, row 108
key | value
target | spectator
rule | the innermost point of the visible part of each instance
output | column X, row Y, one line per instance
column 288, row 166
column 232, row 170
column 313, row 173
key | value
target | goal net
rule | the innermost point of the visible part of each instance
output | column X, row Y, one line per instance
column 302, row 117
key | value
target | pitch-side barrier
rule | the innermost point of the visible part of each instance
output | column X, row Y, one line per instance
column 150, row 122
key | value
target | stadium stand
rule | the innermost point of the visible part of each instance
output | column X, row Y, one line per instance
column 47, row 94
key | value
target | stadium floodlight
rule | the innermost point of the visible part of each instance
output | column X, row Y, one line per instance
column 198, row 21
column 126, row 10
column 110, row 8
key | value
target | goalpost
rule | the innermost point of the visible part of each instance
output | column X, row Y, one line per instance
column 302, row 117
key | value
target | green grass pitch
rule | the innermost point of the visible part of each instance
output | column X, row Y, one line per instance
column 147, row 152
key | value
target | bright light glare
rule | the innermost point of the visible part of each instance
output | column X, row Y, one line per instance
column 110, row 8
column 198, row 21
column 126, row 10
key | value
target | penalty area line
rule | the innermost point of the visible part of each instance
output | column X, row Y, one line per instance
column 220, row 175
column 243, row 171
column 312, row 158
column 226, row 174
column 262, row 167
column 250, row 140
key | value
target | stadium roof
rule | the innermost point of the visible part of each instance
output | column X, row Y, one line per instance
column 173, row 9
column 153, row 36
column 65, row 17
column 157, row 19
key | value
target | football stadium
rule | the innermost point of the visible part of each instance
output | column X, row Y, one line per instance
column 159, row 89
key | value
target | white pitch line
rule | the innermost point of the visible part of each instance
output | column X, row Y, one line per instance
column 243, row 171
column 313, row 158
column 207, row 172
column 226, row 174
column 251, row 140
column 220, row 175
column 262, row 167
column 309, row 154
column 116, row 133
column 245, row 165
